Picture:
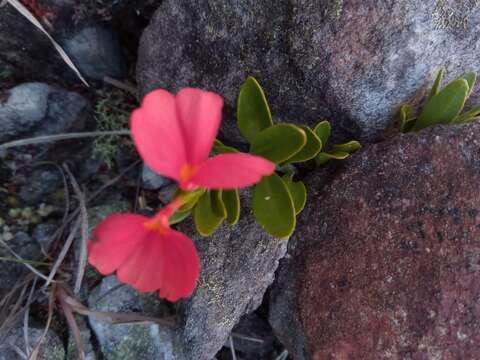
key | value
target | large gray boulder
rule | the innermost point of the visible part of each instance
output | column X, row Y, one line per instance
column 352, row 61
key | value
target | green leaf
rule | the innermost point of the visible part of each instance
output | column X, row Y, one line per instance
column 209, row 212
column 231, row 199
column 443, row 107
column 190, row 198
column 468, row 115
column 273, row 206
column 348, row 147
column 324, row 157
column 220, row 148
column 406, row 117
column 323, row 130
column 298, row 191
column 471, row 78
column 437, row 84
column 310, row 149
column 179, row 216
column 279, row 142
column 253, row 113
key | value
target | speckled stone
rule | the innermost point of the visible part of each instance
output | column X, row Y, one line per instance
column 386, row 256
column 238, row 264
column 51, row 348
column 352, row 61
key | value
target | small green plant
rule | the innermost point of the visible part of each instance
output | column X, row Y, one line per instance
column 276, row 199
column 443, row 106
column 112, row 113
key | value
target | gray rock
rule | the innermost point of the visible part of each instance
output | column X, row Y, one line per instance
column 132, row 341
column 21, row 45
column 51, row 349
column 41, row 182
column 151, row 180
column 96, row 52
column 384, row 261
column 238, row 264
column 350, row 61
column 42, row 234
column 35, row 109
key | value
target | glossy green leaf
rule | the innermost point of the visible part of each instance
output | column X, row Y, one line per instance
column 467, row 116
column 279, row 142
column 179, row 216
column 298, row 192
column 209, row 212
column 190, row 198
column 231, row 199
column 471, row 78
column 324, row 157
column 311, row 148
column 253, row 113
column 273, row 206
column 437, row 84
column 406, row 117
column 220, row 148
column 348, row 147
column 323, row 130
column 443, row 107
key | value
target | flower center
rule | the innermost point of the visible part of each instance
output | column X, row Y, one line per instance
column 187, row 171
column 160, row 225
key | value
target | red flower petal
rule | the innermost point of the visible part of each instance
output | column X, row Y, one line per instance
column 165, row 262
column 199, row 113
column 231, row 171
column 157, row 134
column 116, row 238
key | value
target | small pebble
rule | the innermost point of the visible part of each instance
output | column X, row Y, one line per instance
column 7, row 236
column 14, row 213
column 27, row 213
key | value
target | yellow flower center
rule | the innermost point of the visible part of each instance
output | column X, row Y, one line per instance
column 187, row 171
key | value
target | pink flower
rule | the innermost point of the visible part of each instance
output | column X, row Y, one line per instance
column 146, row 253
column 174, row 135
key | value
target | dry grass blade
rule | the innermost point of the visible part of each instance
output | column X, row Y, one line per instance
column 10, row 309
column 28, row 15
column 59, row 137
column 51, row 303
column 68, row 312
column 121, row 85
column 82, row 260
column 26, row 316
column 111, row 317
column 283, row 355
column 232, row 348
column 22, row 261
column 63, row 252
column 247, row 338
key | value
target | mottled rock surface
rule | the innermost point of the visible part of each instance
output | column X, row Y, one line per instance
column 314, row 58
column 238, row 264
column 386, row 257
column 35, row 109
column 151, row 180
column 95, row 50
column 130, row 341
column 51, row 349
